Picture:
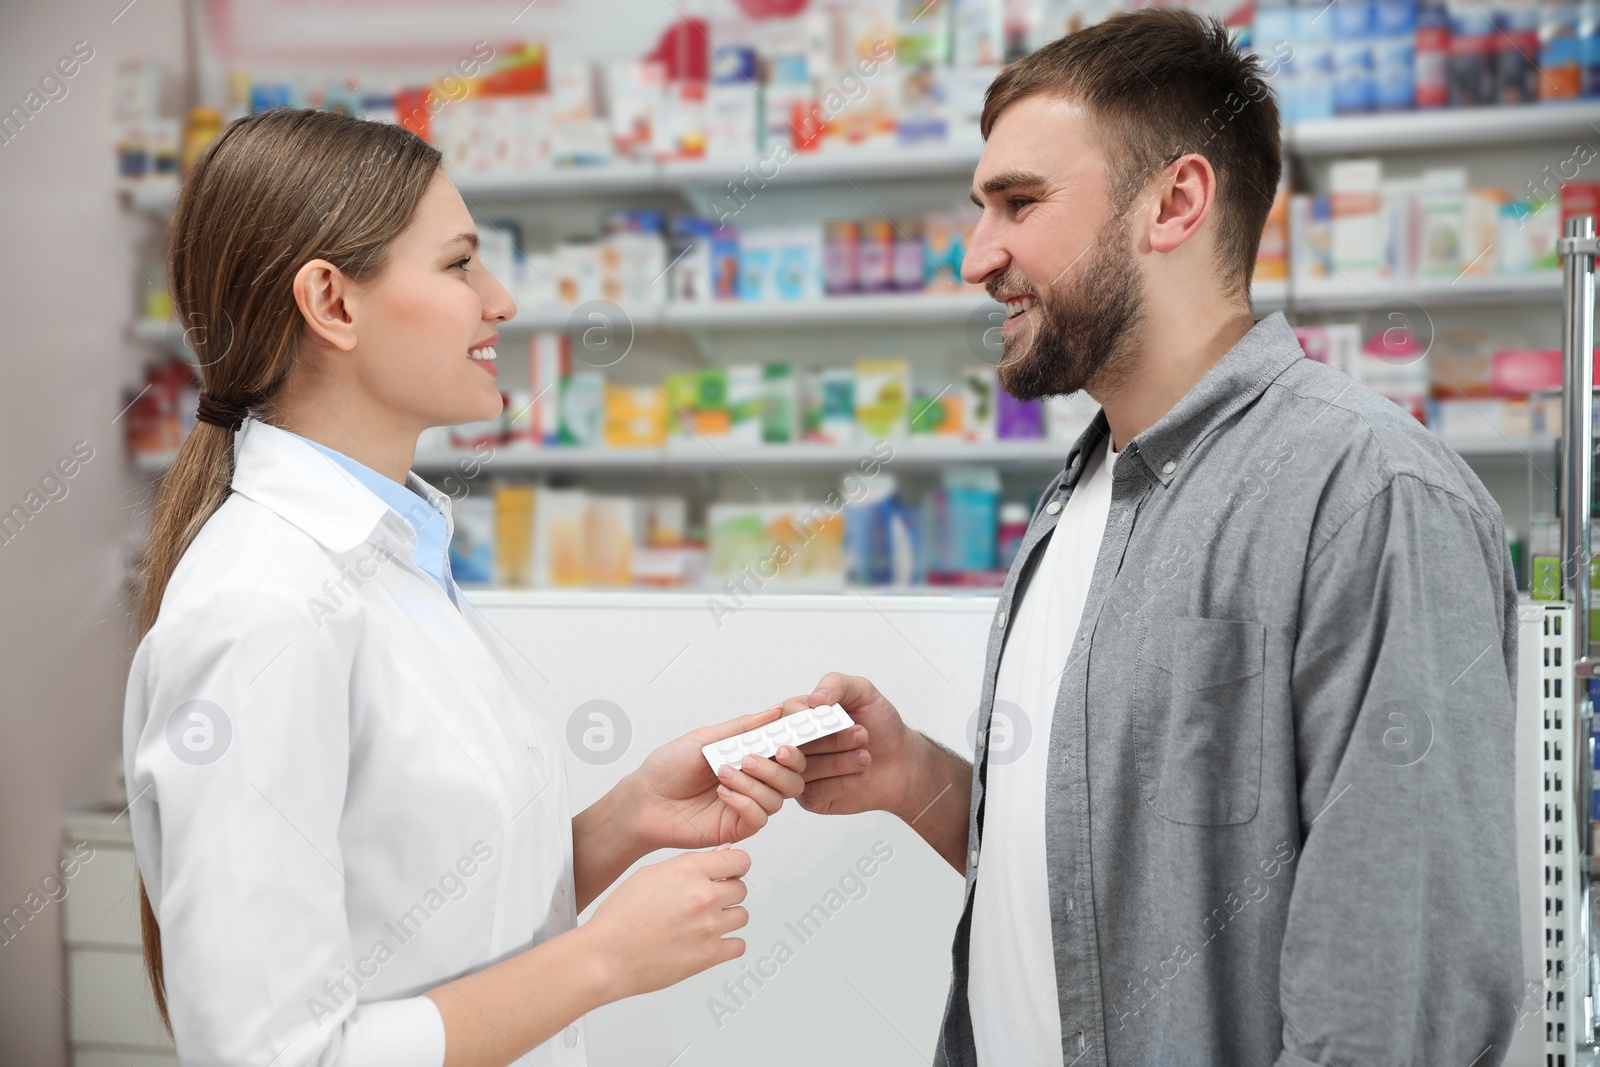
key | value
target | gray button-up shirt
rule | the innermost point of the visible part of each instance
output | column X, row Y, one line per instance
column 1279, row 804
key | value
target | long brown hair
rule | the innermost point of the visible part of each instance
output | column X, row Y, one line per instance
column 273, row 192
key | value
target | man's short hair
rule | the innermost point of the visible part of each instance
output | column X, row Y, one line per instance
column 1157, row 84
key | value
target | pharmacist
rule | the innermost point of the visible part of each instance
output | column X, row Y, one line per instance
column 351, row 823
column 1261, row 632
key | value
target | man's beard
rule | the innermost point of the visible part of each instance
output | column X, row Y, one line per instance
column 1083, row 330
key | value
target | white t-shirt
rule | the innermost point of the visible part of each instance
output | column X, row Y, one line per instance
column 1011, row 991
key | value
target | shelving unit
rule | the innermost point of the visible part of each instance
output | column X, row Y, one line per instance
column 701, row 453
column 826, row 183
column 956, row 308
column 1467, row 291
column 915, row 453
column 1404, row 131
column 1419, row 131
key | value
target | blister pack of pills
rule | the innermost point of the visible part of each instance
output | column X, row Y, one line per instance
column 798, row 729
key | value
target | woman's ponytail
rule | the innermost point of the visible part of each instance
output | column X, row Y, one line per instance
column 273, row 192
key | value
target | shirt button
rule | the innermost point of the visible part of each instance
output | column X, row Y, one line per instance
column 535, row 754
column 980, row 738
column 1081, row 1041
column 569, row 1037
column 1168, row 467
column 559, row 900
column 1053, row 508
column 1000, row 621
column 973, row 858
column 1074, row 464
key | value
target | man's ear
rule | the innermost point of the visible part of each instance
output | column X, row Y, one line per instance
column 1187, row 189
column 322, row 292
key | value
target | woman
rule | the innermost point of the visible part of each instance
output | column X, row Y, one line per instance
column 352, row 829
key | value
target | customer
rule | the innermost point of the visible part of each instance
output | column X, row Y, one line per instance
column 1262, row 631
column 352, row 824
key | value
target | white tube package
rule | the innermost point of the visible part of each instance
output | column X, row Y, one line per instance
column 798, row 729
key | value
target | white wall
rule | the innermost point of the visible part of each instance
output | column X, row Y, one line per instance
column 66, row 299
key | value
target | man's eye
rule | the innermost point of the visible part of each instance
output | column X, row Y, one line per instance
column 1019, row 202
column 462, row 262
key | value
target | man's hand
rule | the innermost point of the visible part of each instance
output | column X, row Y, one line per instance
column 843, row 774
column 881, row 764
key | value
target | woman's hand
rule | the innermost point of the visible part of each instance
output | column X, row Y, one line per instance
column 668, row 920
column 680, row 803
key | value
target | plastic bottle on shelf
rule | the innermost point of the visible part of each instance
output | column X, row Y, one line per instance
column 909, row 262
column 1516, row 64
column 1431, row 65
column 1270, row 40
column 1013, row 528
column 875, row 272
column 204, row 125
column 1311, row 29
column 1559, row 72
column 1589, row 47
column 1471, row 55
column 1352, row 57
column 1394, row 55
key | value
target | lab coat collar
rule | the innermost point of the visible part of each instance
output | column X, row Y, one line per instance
column 310, row 491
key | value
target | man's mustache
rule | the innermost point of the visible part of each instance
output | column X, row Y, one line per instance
column 1006, row 285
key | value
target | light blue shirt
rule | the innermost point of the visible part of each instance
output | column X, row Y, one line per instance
column 433, row 540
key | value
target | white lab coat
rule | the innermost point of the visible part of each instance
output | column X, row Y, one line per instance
column 340, row 794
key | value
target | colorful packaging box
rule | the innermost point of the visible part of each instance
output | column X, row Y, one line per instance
column 882, row 392
column 1017, row 419
column 635, row 416
column 745, row 403
column 472, row 541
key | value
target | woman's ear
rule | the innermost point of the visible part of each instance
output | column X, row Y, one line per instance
column 322, row 292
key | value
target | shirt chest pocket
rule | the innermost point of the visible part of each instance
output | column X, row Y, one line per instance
column 1198, row 719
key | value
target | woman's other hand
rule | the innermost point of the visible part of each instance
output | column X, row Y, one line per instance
column 667, row 921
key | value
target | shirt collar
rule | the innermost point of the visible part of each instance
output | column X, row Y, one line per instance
column 308, row 489
column 1234, row 381
column 413, row 506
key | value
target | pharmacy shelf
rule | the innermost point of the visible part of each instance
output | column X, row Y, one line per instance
column 705, row 453
column 839, row 165
column 158, row 331
column 1352, row 134
column 1419, row 131
column 153, row 198
column 886, row 309
column 612, row 178
column 877, row 310
column 932, row 599
column 1489, row 449
column 883, row 309
column 870, row 163
column 1500, row 290
column 1267, row 297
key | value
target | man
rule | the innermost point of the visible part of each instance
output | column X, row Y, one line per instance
column 1264, row 646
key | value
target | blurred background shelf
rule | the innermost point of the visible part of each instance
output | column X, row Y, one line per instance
column 870, row 310
column 1403, row 131
column 920, row 453
column 699, row 453
column 1500, row 290
column 1419, row 131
